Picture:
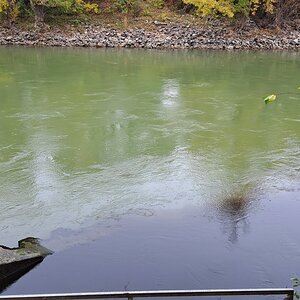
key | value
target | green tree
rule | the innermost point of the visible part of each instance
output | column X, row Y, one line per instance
column 74, row 6
column 128, row 7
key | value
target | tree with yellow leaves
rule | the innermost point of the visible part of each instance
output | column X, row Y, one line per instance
column 277, row 11
column 10, row 9
column 229, row 8
column 3, row 5
column 208, row 7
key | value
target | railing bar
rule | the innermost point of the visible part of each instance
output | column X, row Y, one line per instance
column 153, row 294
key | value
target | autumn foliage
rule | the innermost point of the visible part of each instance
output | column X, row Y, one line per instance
column 273, row 11
column 230, row 8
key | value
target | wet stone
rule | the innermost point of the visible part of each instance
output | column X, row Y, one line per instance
column 15, row 262
column 29, row 248
column 163, row 36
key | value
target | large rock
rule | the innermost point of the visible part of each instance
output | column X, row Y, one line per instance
column 15, row 262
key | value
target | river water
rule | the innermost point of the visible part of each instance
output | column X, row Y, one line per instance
column 151, row 169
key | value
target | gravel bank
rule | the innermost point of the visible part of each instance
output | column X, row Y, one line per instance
column 161, row 36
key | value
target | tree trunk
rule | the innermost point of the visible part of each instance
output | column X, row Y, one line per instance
column 10, row 13
column 125, row 20
column 39, row 14
column 279, row 13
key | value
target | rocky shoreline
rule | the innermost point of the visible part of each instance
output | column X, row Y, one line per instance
column 160, row 36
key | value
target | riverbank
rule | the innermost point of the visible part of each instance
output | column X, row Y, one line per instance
column 157, row 35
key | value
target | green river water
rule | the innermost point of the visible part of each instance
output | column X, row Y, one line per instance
column 165, row 150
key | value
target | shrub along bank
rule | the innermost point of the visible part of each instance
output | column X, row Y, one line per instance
column 280, row 13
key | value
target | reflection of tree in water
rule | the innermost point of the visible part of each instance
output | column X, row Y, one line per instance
column 234, row 212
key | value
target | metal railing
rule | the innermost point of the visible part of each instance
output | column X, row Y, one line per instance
column 155, row 294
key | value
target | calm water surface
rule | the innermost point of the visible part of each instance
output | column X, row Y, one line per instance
column 151, row 170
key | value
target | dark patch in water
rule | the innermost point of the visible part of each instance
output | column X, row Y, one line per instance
column 175, row 249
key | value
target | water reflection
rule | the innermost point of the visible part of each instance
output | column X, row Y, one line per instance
column 171, row 93
column 234, row 212
column 91, row 135
column 6, row 281
column 173, row 249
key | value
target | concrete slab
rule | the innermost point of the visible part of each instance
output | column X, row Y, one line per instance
column 15, row 262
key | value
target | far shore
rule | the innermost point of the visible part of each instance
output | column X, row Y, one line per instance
column 160, row 35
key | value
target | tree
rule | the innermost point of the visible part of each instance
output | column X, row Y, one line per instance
column 10, row 9
column 208, row 7
column 128, row 7
column 74, row 6
column 281, row 10
column 286, row 10
column 38, row 7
